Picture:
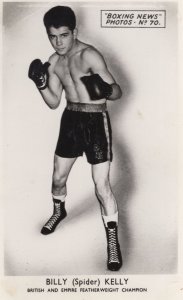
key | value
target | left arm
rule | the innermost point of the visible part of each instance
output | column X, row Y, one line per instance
column 97, row 65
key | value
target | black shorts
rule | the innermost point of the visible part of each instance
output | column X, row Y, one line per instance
column 85, row 128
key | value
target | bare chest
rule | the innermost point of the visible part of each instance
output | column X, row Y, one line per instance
column 69, row 70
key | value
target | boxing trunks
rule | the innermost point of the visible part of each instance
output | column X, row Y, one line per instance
column 85, row 128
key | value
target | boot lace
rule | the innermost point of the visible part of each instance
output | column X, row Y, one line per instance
column 113, row 250
column 51, row 222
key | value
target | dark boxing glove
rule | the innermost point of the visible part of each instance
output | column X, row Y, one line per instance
column 38, row 72
column 97, row 88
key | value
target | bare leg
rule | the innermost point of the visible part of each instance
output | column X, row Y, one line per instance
column 62, row 167
column 100, row 173
column 109, row 210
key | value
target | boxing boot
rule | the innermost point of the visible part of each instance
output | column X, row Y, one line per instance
column 59, row 213
column 114, row 261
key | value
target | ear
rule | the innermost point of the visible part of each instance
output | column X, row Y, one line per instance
column 75, row 33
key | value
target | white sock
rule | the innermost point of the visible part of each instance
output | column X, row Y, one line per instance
column 110, row 218
column 59, row 197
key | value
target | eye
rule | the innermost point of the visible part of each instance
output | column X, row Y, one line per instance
column 51, row 37
column 65, row 34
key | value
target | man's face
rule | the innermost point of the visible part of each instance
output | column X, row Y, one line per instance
column 61, row 38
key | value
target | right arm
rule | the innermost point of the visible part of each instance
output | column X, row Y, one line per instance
column 47, row 82
column 53, row 92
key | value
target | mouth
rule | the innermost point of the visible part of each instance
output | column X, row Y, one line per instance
column 60, row 49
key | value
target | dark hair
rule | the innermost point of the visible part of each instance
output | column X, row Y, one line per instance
column 60, row 16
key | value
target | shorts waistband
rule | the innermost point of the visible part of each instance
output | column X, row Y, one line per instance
column 86, row 107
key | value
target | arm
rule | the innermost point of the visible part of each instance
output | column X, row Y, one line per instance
column 98, row 66
column 53, row 92
column 47, row 81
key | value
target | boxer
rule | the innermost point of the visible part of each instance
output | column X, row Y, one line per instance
column 81, row 71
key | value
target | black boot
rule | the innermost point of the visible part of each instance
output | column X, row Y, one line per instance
column 59, row 213
column 114, row 262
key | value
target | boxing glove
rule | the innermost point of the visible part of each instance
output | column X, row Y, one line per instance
column 38, row 72
column 97, row 88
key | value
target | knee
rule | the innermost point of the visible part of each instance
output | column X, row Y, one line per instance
column 59, row 180
column 102, row 188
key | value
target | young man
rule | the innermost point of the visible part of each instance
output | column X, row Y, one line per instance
column 81, row 71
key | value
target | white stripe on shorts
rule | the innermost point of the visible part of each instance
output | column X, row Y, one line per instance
column 107, row 134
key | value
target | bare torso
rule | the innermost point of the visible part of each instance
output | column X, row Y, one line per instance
column 69, row 69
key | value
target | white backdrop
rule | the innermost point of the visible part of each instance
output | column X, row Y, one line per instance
column 144, row 173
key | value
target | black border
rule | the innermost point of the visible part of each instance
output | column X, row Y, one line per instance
column 156, row 10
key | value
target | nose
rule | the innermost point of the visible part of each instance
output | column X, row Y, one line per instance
column 59, row 41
